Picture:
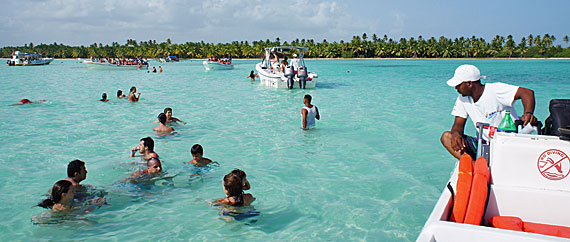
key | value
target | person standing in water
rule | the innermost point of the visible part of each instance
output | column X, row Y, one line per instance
column 104, row 98
column 169, row 118
column 252, row 75
column 76, row 172
column 309, row 113
column 160, row 69
column 132, row 96
column 145, row 148
column 233, row 188
column 162, row 128
column 120, row 94
column 197, row 156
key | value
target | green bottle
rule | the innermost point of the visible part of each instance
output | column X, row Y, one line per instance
column 507, row 125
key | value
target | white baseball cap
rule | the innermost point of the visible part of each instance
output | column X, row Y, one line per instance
column 464, row 73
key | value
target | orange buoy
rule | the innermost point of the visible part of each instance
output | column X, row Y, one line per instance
column 479, row 192
column 464, row 179
column 547, row 229
column 507, row 222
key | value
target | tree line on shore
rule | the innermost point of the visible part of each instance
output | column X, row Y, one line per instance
column 359, row 47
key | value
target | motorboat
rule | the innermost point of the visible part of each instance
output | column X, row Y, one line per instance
column 528, row 187
column 171, row 59
column 218, row 64
column 28, row 59
column 116, row 64
column 293, row 75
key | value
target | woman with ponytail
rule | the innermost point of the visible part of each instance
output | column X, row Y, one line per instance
column 233, row 187
column 62, row 196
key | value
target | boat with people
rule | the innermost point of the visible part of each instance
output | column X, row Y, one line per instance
column 283, row 74
column 171, row 59
column 517, row 190
column 218, row 64
column 28, row 59
column 117, row 63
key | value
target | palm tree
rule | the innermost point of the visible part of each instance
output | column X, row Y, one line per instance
column 565, row 39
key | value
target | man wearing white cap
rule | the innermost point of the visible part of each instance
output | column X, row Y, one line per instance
column 295, row 62
column 483, row 103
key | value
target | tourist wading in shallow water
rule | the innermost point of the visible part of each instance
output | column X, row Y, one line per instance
column 145, row 149
column 483, row 103
column 309, row 113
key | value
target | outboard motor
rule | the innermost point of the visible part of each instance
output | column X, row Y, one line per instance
column 302, row 75
column 289, row 73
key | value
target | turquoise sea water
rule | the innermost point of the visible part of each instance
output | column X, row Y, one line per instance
column 372, row 170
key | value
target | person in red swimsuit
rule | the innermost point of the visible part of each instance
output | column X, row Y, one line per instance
column 25, row 101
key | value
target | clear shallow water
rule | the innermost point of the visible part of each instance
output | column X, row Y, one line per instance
column 372, row 170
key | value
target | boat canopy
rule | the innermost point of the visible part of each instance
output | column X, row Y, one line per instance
column 282, row 49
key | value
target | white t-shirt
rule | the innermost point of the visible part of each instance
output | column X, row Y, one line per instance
column 496, row 98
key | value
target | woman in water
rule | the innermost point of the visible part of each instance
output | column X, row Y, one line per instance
column 61, row 197
column 162, row 128
column 120, row 94
column 252, row 75
column 233, row 188
column 244, row 180
column 169, row 118
column 132, row 96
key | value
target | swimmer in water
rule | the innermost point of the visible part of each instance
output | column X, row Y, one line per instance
column 197, row 156
column 153, row 167
column 162, row 128
column 252, row 75
column 104, row 98
column 76, row 172
column 27, row 101
column 169, row 118
column 145, row 148
column 233, row 188
column 62, row 196
column 160, row 69
column 244, row 180
column 132, row 96
column 154, row 69
column 120, row 94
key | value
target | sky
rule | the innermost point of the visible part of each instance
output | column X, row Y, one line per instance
column 84, row 22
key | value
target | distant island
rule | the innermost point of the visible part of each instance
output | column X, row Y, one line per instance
column 359, row 47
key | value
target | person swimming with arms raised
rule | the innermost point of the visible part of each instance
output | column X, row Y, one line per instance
column 233, row 188
column 61, row 197
column 169, row 118
column 197, row 156
column 252, row 75
column 132, row 96
column 162, row 128
column 145, row 149
column 104, row 98
column 120, row 94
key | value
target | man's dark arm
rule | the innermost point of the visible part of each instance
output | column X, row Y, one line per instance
column 527, row 97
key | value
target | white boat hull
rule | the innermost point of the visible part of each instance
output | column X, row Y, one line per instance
column 275, row 79
column 213, row 65
column 44, row 61
column 518, row 188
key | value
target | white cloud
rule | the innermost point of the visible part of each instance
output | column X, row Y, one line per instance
column 87, row 21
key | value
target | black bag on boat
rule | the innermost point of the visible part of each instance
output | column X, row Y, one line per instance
column 559, row 117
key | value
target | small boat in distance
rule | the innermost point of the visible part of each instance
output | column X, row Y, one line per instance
column 280, row 75
column 28, row 59
column 218, row 64
column 171, row 59
column 116, row 63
